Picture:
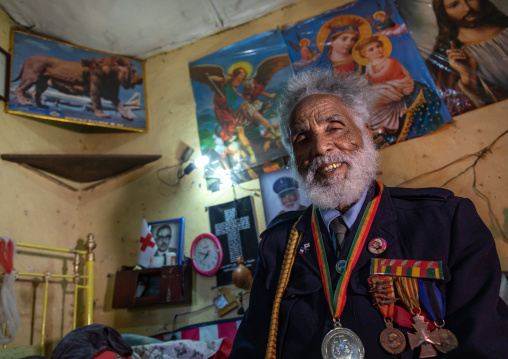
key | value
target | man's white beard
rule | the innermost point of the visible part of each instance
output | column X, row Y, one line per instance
column 340, row 190
column 292, row 206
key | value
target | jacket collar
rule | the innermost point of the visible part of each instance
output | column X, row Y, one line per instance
column 383, row 226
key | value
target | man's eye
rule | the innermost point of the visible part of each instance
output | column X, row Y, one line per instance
column 300, row 140
column 335, row 128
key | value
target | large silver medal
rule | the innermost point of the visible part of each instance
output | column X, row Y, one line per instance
column 342, row 343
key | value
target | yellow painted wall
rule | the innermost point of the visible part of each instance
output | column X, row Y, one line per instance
column 41, row 211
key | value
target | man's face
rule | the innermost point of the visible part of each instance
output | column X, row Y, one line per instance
column 289, row 200
column 331, row 154
column 464, row 13
column 321, row 125
column 163, row 239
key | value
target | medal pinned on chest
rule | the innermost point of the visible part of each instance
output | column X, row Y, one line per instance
column 392, row 340
column 435, row 305
column 342, row 343
column 407, row 288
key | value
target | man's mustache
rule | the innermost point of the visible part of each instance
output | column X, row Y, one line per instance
column 477, row 19
column 329, row 158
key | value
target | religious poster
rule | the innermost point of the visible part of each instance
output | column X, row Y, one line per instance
column 236, row 90
column 280, row 194
column 234, row 224
column 465, row 47
column 370, row 37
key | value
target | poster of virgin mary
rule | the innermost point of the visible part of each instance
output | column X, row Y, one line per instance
column 236, row 89
column 370, row 37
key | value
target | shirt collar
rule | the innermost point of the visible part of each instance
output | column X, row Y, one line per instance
column 349, row 217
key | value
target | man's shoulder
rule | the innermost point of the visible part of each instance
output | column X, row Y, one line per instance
column 282, row 223
column 434, row 194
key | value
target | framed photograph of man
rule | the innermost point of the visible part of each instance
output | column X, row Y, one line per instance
column 58, row 81
column 4, row 77
column 281, row 194
column 168, row 236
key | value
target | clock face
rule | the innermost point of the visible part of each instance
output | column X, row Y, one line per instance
column 206, row 254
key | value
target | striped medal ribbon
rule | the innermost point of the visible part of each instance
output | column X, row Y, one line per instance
column 337, row 299
column 407, row 288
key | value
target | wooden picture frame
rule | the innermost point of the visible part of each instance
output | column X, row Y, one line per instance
column 54, row 80
column 173, row 244
column 5, row 58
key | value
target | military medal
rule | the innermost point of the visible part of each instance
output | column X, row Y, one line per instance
column 407, row 288
column 448, row 340
column 435, row 304
column 342, row 342
column 392, row 340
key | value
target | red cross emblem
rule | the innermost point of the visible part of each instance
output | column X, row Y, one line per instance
column 146, row 242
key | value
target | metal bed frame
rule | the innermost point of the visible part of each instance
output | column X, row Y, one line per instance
column 87, row 277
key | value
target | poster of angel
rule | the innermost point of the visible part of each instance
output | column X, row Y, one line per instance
column 236, row 90
column 370, row 37
column 465, row 47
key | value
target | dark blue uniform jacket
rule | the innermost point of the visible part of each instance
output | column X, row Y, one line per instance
column 418, row 224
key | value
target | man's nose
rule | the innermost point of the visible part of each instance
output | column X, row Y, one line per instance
column 464, row 6
column 322, row 144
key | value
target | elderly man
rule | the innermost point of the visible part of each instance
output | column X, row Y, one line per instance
column 321, row 286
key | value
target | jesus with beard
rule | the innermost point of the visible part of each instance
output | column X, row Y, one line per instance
column 470, row 57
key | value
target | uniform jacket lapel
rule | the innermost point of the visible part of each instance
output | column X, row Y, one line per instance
column 309, row 256
column 383, row 226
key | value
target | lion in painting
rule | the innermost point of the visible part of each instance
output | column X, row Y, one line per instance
column 95, row 78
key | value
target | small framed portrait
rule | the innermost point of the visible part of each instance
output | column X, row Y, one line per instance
column 54, row 80
column 168, row 236
column 4, row 74
column 281, row 194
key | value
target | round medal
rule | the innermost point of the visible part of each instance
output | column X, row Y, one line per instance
column 392, row 340
column 448, row 341
column 340, row 267
column 342, row 343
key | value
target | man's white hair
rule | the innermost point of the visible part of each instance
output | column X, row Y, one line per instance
column 352, row 89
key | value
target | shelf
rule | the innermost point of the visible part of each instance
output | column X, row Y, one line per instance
column 83, row 168
column 152, row 286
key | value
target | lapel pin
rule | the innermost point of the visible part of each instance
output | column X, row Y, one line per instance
column 340, row 267
column 377, row 246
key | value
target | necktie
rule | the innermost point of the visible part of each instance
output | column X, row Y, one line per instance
column 339, row 229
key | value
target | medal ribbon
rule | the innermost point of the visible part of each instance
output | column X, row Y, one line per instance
column 337, row 299
column 432, row 299
column 407, row 288
column 383, row 286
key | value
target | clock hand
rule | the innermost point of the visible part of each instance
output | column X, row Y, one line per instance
column 207, row 253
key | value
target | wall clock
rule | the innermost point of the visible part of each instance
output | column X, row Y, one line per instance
column 206, row 254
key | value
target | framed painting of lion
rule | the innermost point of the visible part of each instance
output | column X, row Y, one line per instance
column 58, row 81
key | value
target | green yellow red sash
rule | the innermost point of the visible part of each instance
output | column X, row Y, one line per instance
column 339, row 295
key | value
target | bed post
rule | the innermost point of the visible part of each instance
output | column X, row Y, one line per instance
column 90, row 258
